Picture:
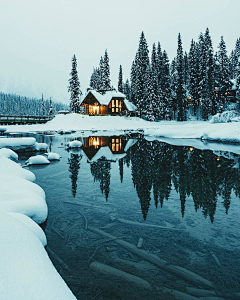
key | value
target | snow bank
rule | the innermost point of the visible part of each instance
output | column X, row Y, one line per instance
column 52, row 156
column 26, row 270
column 225, row 117
column 8, row 153
column 22, row 196
column 41, row 146
column 16, row 144
column 9, row 167
column 74, row 144
column 35, row 228
column 171, row 129
column 37, row 160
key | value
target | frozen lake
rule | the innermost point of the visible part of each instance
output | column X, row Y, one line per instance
column 121, row 186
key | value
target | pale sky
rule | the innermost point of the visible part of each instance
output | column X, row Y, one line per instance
column 39, row 38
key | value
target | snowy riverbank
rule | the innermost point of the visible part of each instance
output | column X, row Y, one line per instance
column 221, row 132
column 26, row 270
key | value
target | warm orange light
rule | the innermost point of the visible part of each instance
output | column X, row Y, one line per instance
column 218, row 158
column 191, row 149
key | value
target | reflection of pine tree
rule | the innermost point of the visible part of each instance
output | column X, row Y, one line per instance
column 162, row 172
column 74, row 166
column 101, row 172
column 142, row 164
column 120, row 165
column 226, row 175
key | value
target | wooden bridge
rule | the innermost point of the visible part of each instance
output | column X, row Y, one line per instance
column 11, row 120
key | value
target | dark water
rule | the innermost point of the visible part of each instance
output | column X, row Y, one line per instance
column 115, row 181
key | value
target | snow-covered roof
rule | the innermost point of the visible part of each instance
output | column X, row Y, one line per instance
column 103, row 99
column 130, row 106
column 107, row 153
column 129, row 144
column 234, row 83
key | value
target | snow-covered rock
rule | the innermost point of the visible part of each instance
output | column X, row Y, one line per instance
column 25, row 144
column 225, row 117
column 26, row 270
column 22, row 196
column 74, row 144
column 41, row 146
column 9, row 167
column 8, row 153
column 34, row 227
column 3, row 129
column 52, row 156
column 37, row 160
column 64, row 131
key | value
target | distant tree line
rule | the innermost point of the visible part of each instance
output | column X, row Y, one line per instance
column 11, row 104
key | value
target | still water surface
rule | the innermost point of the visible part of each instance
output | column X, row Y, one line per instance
column 113, row 184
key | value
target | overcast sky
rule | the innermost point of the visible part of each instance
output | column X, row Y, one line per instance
column 39, row 38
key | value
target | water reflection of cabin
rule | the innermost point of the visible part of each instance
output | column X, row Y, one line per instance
column 111, row 103
column 110, row 148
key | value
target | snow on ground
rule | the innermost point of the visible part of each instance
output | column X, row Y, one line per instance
column 226, row 132
column 8, row 153
column 9, row 167
column 34, row 227
column 26, row 270
column 22, row 196
column 74, row 144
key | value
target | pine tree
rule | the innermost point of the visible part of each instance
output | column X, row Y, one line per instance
column 120, row 80
column 133, row 80
column 43, row 106
column 95, row 80
column 105, row 73
column 181, row 93
column 142, row 62
column 149, row 96
column 166, row 88
column 51, row 112
column 127, row 90
column 74, row 166
column 173, row 74
column 74, row 87
column 224, row 80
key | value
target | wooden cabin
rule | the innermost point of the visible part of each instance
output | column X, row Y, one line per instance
column 111, row 103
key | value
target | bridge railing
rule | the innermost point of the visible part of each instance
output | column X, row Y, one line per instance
column 24, row 119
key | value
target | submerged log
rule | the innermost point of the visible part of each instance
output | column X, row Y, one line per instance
column 58, row 259
column 175, row 270
column 141, row 224
column 180, row 295
column 107, row 270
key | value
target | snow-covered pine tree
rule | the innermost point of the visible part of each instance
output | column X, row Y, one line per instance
column 203, row 95
column 120, row 80
column 43, row 106
column 127, row 90
column 149, row 95
column 166, row 88
column 238, row 81
column 212, row 105
column 74, row 87
column 186, row 69
column 180, row 90
column 233, row 59
column 51, row 112
column 105, row 73
column 142, row 62
column 173, row 74
column 154, row 74
column 133, row 79
column 159, row 64
column 193, row 62
column 224, row 79
column 95, row 80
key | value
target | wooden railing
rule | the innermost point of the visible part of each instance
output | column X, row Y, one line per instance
column 10, row 119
